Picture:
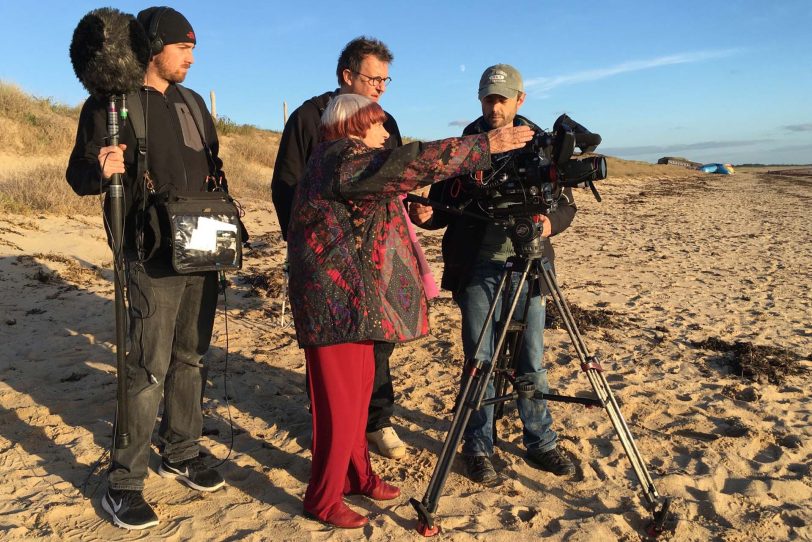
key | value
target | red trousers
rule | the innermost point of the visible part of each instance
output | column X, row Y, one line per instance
column 340, row 381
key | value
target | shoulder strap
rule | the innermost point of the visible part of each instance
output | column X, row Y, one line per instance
column 194, row 107
column 136, row 117
column 197, row 115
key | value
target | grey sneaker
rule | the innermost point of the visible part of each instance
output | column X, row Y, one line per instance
column 194, row 473
column 129, row 509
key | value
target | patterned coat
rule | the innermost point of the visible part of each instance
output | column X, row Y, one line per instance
column 353, row 274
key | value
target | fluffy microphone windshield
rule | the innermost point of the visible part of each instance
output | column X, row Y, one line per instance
column 109, row 52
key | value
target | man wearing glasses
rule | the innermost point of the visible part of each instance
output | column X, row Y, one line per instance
column 363, row 68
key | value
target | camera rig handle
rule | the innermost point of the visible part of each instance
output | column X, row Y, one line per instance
column 436, row 205
column 499, row 217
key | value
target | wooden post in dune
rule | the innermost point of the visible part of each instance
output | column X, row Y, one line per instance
column 213, row 100
column 283, row 322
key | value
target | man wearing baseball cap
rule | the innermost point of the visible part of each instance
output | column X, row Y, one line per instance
column 474, row 256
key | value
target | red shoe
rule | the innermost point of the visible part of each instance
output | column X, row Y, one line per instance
column 341, row 516
column 384, row 492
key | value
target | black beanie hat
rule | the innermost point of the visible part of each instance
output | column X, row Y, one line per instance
column 172, row 26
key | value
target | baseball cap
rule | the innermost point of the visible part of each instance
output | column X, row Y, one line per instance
column 501, row 79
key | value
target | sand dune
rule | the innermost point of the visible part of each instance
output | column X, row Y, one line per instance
column 668, row 262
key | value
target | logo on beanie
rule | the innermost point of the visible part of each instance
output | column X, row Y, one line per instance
column 190, row 34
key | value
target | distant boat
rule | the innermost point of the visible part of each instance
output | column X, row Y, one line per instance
column 722, row 169
column 678, row 161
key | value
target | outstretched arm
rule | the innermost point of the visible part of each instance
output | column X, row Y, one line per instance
column 374, row 173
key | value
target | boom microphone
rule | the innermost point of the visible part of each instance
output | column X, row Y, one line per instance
column 109, row 52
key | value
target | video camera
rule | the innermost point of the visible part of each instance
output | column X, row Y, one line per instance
column 530, row 180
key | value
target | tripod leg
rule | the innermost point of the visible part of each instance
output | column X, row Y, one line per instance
column 506, row 358
column 591, row 366
column 472, row 392
column 426, row 508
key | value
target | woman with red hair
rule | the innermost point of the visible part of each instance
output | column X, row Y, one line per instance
column 354, row 279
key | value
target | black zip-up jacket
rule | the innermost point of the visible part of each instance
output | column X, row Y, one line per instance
column 463, row 236
column 177, row 159
column 300, row 137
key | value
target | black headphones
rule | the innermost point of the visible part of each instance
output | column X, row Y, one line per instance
column 156, row 44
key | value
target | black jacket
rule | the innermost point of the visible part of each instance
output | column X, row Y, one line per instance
column 177, row 160
column 463, row 236
column 299, row 138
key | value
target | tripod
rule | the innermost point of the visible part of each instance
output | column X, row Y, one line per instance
column 532, row 266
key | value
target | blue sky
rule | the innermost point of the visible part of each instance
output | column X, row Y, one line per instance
column 712, row 80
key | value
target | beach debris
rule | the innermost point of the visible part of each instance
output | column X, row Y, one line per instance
column 45, row 277
column 748, row 394
column 754, row 362
column 795, row 172
column 74, row 377
column 74, row 272
column 261, row 284
column 6, row 243
column 271, row 285
column 585, row 319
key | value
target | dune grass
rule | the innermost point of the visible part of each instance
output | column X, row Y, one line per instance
column 32, row 126
column 43, row 189
column 37, row 135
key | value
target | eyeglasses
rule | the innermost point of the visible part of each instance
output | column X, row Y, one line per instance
column 374, row 81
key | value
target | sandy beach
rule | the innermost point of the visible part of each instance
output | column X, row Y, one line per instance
column 694, row 289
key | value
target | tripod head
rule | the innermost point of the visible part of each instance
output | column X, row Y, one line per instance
column 525, row 234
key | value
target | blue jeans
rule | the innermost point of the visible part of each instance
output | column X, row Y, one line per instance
column 474, row 301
